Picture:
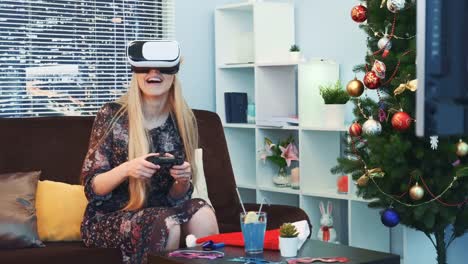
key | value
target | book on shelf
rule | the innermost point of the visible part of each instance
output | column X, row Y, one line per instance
column 278, row 121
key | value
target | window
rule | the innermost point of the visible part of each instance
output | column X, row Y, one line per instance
column 68, row 57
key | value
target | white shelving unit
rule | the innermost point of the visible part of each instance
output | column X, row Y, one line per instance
column 252, row 56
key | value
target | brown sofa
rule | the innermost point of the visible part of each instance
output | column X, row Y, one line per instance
column 57, row 145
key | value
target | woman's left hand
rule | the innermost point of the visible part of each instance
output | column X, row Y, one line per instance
column 181, row 173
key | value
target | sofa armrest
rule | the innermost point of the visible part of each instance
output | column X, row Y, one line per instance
column 279, row 214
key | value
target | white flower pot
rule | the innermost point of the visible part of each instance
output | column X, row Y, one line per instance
column 288, row 246
column 334, row 115
column 295, row 56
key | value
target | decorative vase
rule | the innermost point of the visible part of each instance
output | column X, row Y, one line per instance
column 334, row 115
column 295, row 56
column 342, row 184
column 281, row 180
column 295, row 178
column 288, row 246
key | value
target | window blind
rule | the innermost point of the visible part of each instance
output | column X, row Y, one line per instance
column 68, row 57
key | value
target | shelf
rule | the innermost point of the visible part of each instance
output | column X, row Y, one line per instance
column 246, row 186
column 279, row 190
column 279, row 128
column 277, row 64
column 238, row 125
column 360, row 199
column 236, row 7
column 236, row 65
column 327, row 193
column 321, row 128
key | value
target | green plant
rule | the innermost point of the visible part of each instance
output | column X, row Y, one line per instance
column 288, row 230
column 334, row 94
column 294, row 48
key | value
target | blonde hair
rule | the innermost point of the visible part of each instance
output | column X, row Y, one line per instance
column 138, row 138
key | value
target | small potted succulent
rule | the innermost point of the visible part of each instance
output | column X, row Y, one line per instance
column 288, row 240
column 295, row 53
column 335, row 99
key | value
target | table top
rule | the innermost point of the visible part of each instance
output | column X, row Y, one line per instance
column 311, row 248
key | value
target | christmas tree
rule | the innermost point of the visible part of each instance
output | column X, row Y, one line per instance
column 418, row 182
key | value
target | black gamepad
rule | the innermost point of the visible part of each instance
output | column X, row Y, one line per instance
column 165, row 161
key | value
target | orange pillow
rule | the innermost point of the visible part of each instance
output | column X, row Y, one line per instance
column 59, row 208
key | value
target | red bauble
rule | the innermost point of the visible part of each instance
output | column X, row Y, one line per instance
column 359, row 13
column 401, row 121
column 371, row 80
column 355, row 129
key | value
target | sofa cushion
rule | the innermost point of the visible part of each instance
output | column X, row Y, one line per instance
column 200, row 189
column 18, row 227
column 60, row 253
column 60, row 208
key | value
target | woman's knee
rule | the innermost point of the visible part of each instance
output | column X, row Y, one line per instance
column 206, row 213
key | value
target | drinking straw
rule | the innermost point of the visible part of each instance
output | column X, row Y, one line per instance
column 240, row 199
column 261, row 204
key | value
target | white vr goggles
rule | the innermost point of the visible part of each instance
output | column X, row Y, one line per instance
column 163, row 55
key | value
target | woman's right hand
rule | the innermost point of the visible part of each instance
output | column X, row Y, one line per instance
column 140, row 168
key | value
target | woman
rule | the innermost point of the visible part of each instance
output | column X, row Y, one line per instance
column 134, row 205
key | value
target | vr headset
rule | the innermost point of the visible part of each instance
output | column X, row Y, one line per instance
column 163, row 55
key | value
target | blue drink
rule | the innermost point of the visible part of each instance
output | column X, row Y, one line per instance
column 253, row 230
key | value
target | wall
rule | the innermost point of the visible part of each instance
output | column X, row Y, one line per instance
column 324, row 29
column 194, row 21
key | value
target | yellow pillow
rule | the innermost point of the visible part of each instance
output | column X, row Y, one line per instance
column 59, row 208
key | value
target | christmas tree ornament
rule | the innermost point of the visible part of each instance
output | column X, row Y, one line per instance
column 410, row 85
column 462, row 148
column 416, row 192
column 355, row 88
column 371, row 80
column 382, row 113
column 390, row 217
column 359, row 13
column 355, row 129
column 395, row 6
column 386, row 44
column 401, row 121
column 372, row 127
column 379, row 68
column 363, row 181
column 434, row 141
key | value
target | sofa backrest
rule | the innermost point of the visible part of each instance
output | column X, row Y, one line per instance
column 57, row 146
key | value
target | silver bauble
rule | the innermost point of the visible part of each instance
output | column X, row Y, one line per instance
column 372, row 127
column 384, row 42
column 395, row 6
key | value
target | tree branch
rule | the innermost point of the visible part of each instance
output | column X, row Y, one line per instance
column 432, row 240
column 452, row 238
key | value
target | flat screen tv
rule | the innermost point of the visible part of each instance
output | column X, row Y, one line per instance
column 442, row 67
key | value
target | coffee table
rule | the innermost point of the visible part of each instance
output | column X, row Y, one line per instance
column 311, row 248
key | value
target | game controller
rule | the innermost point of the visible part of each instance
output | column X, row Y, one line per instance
column 165, row 161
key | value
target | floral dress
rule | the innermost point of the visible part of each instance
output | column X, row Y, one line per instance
column 135, row 233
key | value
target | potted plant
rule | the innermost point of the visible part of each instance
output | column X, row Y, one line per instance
column 335, row 98
column 281, row 154
column 295, row 52
column 288, row 240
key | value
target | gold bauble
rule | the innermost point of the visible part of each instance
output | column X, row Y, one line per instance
column 462, row 148
column 355, row 88
column 362, row 181
column 416, row 192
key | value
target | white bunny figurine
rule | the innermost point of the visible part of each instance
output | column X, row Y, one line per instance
column 326, row 232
